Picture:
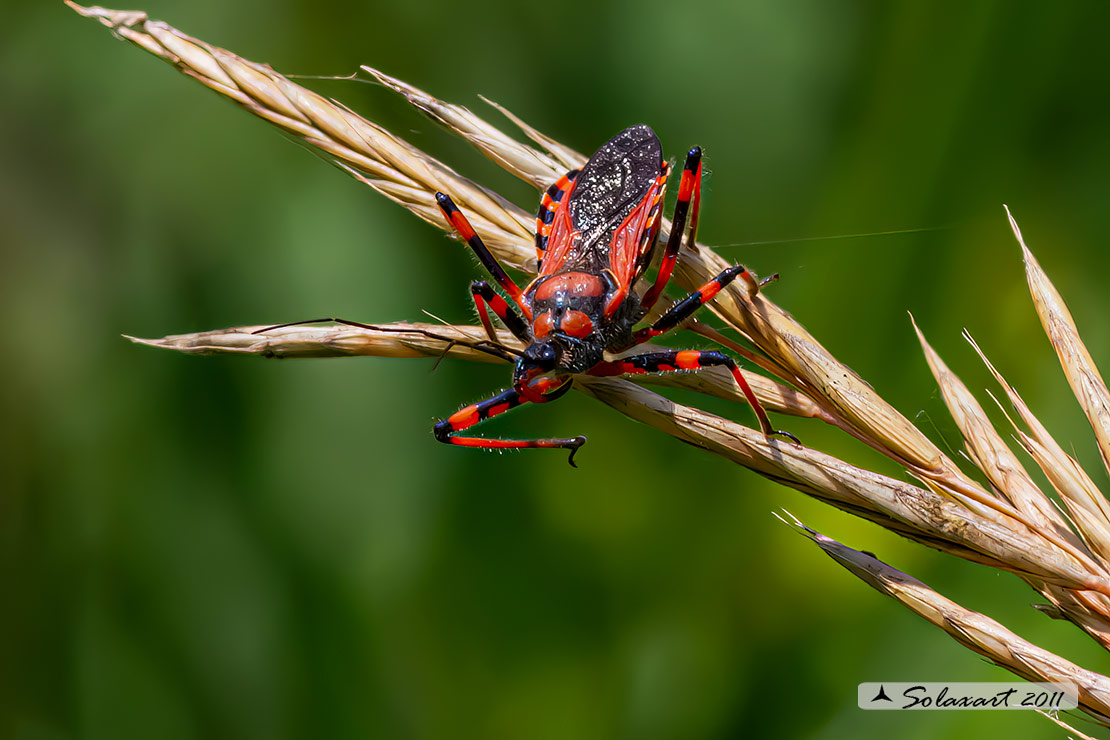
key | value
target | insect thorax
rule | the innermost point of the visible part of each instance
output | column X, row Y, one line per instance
column 569, row 313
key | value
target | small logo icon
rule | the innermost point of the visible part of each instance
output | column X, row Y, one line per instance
column 881, row 696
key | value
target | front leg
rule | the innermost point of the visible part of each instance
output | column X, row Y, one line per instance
column 458, row 221
column 476, row 413
column 689, row 359
column 485, row 298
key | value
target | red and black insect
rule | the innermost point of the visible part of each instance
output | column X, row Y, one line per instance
column 596, row 233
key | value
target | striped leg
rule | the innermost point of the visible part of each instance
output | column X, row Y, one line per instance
column 486, row 298
column 690, row 359
column 476, row 413
column 457, row 220
column 689, row 202
column 691, row 303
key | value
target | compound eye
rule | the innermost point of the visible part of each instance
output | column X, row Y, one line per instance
column 548, row 355
column 542, row 354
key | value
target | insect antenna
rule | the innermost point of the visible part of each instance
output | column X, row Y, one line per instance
column 329, row 319
column 477, row 344
column 442, row 355
column 490, row 348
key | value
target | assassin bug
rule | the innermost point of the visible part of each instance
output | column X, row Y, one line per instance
column 596, row 232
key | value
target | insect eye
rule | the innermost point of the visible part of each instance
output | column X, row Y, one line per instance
column 542, row 354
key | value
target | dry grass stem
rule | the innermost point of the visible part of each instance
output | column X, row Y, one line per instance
column 1085, row 379
column 443, row 340
column 1088, row 509
column 972, row 629
column 1009, row 524
column 1077, row 735
column 989, row 452
column 387, row 340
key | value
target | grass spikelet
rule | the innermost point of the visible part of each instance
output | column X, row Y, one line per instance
column 1086, row 381
column 975, row 631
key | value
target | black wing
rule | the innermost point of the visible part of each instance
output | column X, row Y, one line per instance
column 614, row 181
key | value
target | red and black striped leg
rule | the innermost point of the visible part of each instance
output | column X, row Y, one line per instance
column 689, row 359
column 457, row 220
column 685, row 308
column 476, row 413
column 486, row 298
column 689, row 202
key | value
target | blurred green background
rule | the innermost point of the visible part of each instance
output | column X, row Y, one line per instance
column 234, row 548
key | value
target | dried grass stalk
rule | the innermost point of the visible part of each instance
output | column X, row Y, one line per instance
column 1085, row 379
column 439, row 340
column 972, row 629
column 388, row 340
column 1010, row 524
